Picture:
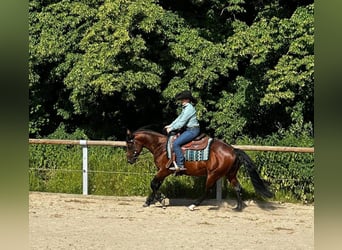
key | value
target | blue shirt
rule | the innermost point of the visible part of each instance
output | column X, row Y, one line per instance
column 187, row 118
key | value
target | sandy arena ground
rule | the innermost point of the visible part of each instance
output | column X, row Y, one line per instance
column 64, row 221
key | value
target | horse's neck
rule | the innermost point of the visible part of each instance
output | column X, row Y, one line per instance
column 156, row 145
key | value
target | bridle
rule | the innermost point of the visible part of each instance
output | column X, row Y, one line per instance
column 135, row 151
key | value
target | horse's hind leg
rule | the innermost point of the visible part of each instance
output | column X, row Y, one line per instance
column 211, row 180
column 200, row 200
column 231, row 177
column 238, row 189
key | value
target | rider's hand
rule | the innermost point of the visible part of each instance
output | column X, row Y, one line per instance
column 168, row 128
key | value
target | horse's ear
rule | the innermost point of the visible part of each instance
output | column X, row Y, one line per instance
column 129, row 135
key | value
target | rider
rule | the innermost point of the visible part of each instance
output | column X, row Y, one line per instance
column 186, row 120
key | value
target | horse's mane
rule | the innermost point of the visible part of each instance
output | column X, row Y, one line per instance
column 143, row 129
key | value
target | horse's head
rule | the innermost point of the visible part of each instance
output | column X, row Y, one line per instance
column 133, row 148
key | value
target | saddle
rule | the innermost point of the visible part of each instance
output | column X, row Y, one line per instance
column 199, row 143
column 195, row 150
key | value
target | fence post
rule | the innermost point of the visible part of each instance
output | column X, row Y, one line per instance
column 83, row 143
column 219, row 189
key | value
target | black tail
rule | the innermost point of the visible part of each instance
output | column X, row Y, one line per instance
column 257, row 182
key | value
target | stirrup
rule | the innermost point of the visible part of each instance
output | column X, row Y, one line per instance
column 176, row 168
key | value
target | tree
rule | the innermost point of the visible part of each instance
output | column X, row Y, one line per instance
column 105, row 65
column 55, row 32
column 275, row 72
column 292, row 79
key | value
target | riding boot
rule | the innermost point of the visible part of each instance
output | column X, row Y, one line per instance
column 180, row 166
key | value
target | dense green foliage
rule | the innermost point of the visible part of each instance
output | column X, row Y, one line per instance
column 101, row 66
column 106, row 65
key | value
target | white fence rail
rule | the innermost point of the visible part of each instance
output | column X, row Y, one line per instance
column 86, row 143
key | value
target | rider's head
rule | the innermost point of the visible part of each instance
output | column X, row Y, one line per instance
column 185, row 96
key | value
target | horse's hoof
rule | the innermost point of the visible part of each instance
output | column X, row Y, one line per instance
column 163, row 203
column 237, row 209
column 146, row 205
column 192, row 207
column 240, row 207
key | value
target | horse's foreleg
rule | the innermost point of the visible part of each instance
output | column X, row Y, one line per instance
column 155, row 185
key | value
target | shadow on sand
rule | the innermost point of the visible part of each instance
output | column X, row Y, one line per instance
column 214, row 204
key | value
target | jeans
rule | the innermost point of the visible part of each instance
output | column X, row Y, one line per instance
column 185, row 137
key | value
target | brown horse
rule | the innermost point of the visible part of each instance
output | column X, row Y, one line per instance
column 224, row 160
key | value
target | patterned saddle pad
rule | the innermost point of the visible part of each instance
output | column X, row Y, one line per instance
column 193, row 151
